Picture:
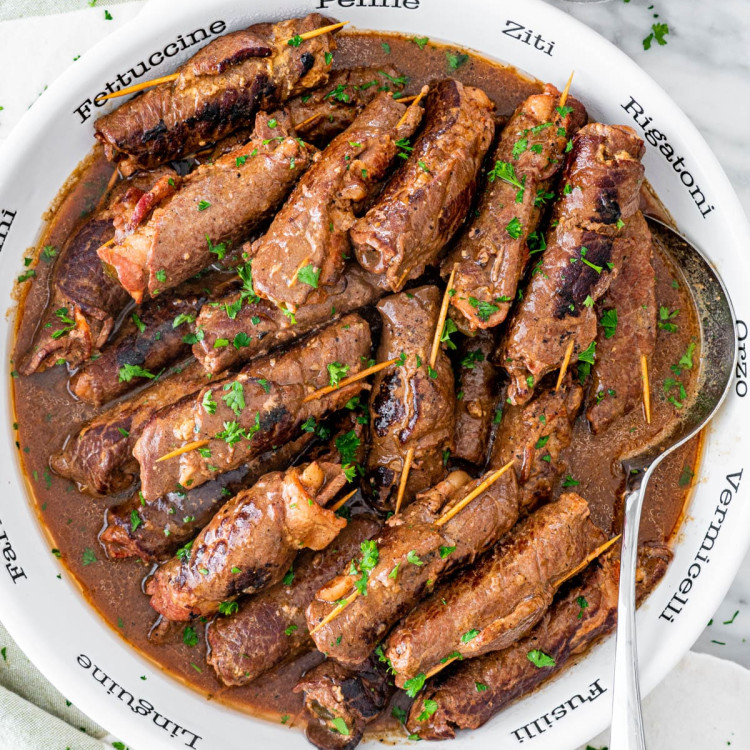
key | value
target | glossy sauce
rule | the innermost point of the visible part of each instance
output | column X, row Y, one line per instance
column 47, row 413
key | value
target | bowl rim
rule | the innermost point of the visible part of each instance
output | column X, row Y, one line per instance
column 20, row 524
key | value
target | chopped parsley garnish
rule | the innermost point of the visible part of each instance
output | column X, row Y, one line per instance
column 139, row 324
column 456, row 59
column 340, row 726
column 228, row 608
column 308, row 425
column 399, row 714
column 336, row 371
column 514, row 228
column 582, row 603
column 539, row 659
column 328, row 57
column 203, row 205
column 666, row 317
column 484, row 309
column 658, row 34
column 480, row 686
column 542, row 442
column 219, row 250
column 189, row 636
column 686, row 476
column 609, row 322
column 182, row 318
column 48, row 253
column 365, row 564
column 161, row 275
column 128, row 372
column 309, row 275
column 235, row 398
column 430, row 706
column 208, row 402
column 413, row 558
column 421, row 41
column 88, row 556
column 445, row 551
column 347, row 446
column 245, row 272
column 231, row 434
column 135, row 520
column 570, row 482
column 295, row 41
column 585, row 360
column 405, row 147
column 68, row 323
column 184, row 552
column 288, row 576
column 415, row 684
column 26, row 275
column 471, row 358
column 469, row 635
column 506, row 172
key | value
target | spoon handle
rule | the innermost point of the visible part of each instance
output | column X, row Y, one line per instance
column 627, row 720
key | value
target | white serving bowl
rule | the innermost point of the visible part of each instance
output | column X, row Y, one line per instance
column 93, row 666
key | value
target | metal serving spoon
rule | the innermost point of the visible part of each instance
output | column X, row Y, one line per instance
column 719, row 349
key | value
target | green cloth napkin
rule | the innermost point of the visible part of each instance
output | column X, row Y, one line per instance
column 33, row 714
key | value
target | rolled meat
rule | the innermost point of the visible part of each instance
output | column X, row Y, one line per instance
column 495, row 603
column 149, row 340
column 629, row 311
column 194, row 223
column 476, row 399
column 330, row 109
column 251, row 542
column 492, row 251
column 341, row 701
column 601, row 184
column 425, row 202
column 306, row 244
column 217, row 91
column 154, row 531
column 534, row 436
column 471, row 692
column 242, row 416
column 99, row 458
column 85, row 301
column 270, row 628
column 235, row 329
column 413, row 556
column 411, row 404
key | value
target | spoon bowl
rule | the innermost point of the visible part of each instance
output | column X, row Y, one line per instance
column 717, row 361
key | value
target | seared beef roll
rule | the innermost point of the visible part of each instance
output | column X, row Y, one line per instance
column 427, row 199
column 194, row 223
column 493, row 604
column 270, row 628
column 251, row 542
column 411, row 556
column 600, row 191
column 306, row 245
column 411, row 405
column 217, row 91
column 493, row 248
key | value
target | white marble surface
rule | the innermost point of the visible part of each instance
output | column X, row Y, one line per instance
column 705, row 66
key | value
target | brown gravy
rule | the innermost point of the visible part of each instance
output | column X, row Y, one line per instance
column 47, row 413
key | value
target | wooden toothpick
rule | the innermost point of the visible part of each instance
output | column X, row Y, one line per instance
column 348, row 381
column 415, row 103
column 566, row 362
column 566, row 90
column 342, row 502
column 185, row 449
column 404, row 477
column 335, row 612
column 646, row 388
column 478, row 490
column 441, row 318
